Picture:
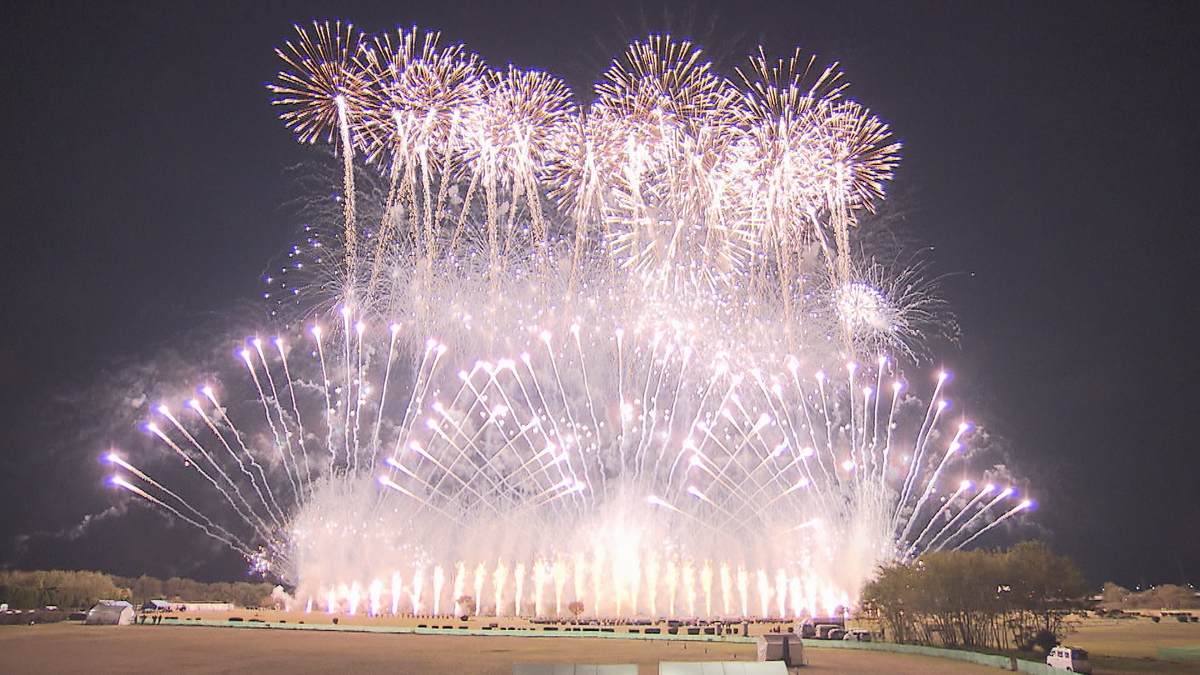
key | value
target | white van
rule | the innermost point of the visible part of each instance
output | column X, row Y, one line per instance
column 857, row 635
column 1073, row 659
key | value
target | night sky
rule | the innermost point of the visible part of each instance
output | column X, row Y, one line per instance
column 1050, row 157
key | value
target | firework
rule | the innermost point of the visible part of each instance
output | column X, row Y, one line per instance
column 673, row 172
column 621, row 362
column 619, row 478
column 324, row 91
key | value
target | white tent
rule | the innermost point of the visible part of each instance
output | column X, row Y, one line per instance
column 786, row 647
column 110, row 613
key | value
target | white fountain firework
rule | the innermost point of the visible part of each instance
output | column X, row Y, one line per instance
column 615, row 469
column 624, row 364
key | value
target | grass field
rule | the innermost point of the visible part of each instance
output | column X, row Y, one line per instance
column 182, row 647
column 1134, row 638
column 193, row 650
column 1131, row 645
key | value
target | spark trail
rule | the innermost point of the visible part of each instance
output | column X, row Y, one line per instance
column 659, row 464
column 621, row 354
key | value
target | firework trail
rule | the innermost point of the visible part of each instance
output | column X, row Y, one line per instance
column 322, row 92
column 611, row 354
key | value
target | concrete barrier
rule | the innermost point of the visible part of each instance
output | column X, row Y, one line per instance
column 1036, row 668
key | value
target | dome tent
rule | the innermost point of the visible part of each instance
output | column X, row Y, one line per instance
column 110, row 613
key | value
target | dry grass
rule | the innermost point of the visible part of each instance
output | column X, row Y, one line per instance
column 192, row 650
column 1133, row 638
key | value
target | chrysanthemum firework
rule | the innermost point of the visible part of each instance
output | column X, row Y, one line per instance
column 621, row 354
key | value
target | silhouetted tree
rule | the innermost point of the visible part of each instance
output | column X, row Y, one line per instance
column 1046, row 589
column 466, row 605
column 978, row 598
column 1114, row 593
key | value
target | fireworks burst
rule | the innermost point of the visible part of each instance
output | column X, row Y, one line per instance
column 673, row 172
column 622, row 362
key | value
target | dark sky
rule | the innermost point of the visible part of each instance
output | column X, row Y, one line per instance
column 1050, row 154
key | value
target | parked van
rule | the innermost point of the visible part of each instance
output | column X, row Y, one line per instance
column 1073, row 659
column 858, row 635
column 824, row 629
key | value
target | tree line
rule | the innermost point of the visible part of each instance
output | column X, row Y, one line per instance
column 1167, row 596
column 1020, row 598
column 68, row 589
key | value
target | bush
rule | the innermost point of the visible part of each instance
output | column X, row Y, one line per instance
column 1045, row 640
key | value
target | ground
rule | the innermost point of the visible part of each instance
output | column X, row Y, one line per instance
column 1131, row 645
column 1119, row 647
column 1134, row 637
column 50, row 649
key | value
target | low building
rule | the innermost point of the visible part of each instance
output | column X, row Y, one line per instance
column 202, row 606
column 167, row 606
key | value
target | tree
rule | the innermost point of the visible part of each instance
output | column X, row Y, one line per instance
column 146, row 588
column 466, row 606
column 1046, row 589
column 1171, row 596
column 576, row 609
column 19, row 596
column 893, row 597
column 978, row 598
column 84, row 589
column 57, row 587
column 1114, row 593
column 247, row 594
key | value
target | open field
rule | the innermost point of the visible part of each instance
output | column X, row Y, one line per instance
column 51, row 649
column 1123, row 647
column 1131, row 645
column 1135, row 637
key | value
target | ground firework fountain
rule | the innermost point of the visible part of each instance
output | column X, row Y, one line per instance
column 620, row 356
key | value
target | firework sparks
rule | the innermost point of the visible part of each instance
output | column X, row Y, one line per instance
column 325, row 91
column 604, row 377
column 691, row 183
column 662, row 453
